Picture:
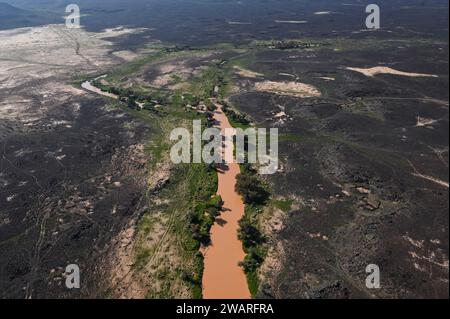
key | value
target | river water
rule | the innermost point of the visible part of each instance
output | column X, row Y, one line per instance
column 223, row 278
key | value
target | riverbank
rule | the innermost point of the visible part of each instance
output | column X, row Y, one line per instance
column 163, row 258
column 223, row 275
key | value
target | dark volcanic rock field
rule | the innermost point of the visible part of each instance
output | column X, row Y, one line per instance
column 353, row 163
column 364, row 166
column 68, row 189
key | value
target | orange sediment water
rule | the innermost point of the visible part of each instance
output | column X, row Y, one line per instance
column 223, row 278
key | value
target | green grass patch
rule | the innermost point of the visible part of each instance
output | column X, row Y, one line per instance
column 289, row 138
column 253, row 282
column 141, row 258
column 284, row 205
column 190, row 194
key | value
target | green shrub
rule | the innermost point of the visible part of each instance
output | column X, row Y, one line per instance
column 253, row 260
column 249, row 235
column 251, row 189
column 203, row 217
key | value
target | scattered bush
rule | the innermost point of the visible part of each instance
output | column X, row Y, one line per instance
column 203, row 217
column 251, row 189
column 235, row 117
column 249, row 234
column 255, row 195
column 253, row 260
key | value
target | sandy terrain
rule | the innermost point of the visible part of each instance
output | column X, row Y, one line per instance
column 387, row 70
column 424, row 122
column 169, row 73
column 126, row 55
column 327, row 78
column 42, row 52
column 62, row 136
column 296, row 89
column 247, row 73
column 88, row 86
column 119, row 31
column 162, row 80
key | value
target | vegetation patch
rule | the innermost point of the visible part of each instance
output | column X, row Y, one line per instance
column 256, row 196
column 187, row 203
column 284, row 205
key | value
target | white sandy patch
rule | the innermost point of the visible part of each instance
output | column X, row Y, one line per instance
column 415, row 243
column 238, row 23
column 291, row 21
column 432, row 179
column 168, row 79
column 174, row 66
column 13, row 107
column 126, row 55
column 326, row 78
column 120, row 31
column 88, row 86
column 280, row 115
column 170, row 71
column 387, row 70
column 423, row 122
column 288, row 74
column 3, row 181
column 296, row 89
column 247, row 73
column 60, row 122
column 427, row 177
column 60, row 157
column 432, row 258
column 11, row 198
column 170, row 67
column 162, row 80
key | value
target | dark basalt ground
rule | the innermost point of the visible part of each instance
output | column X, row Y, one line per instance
column 191, row 22
column 361, row 134
column 73, row 188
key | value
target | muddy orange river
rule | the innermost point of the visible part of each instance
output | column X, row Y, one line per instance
column 223, row 278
